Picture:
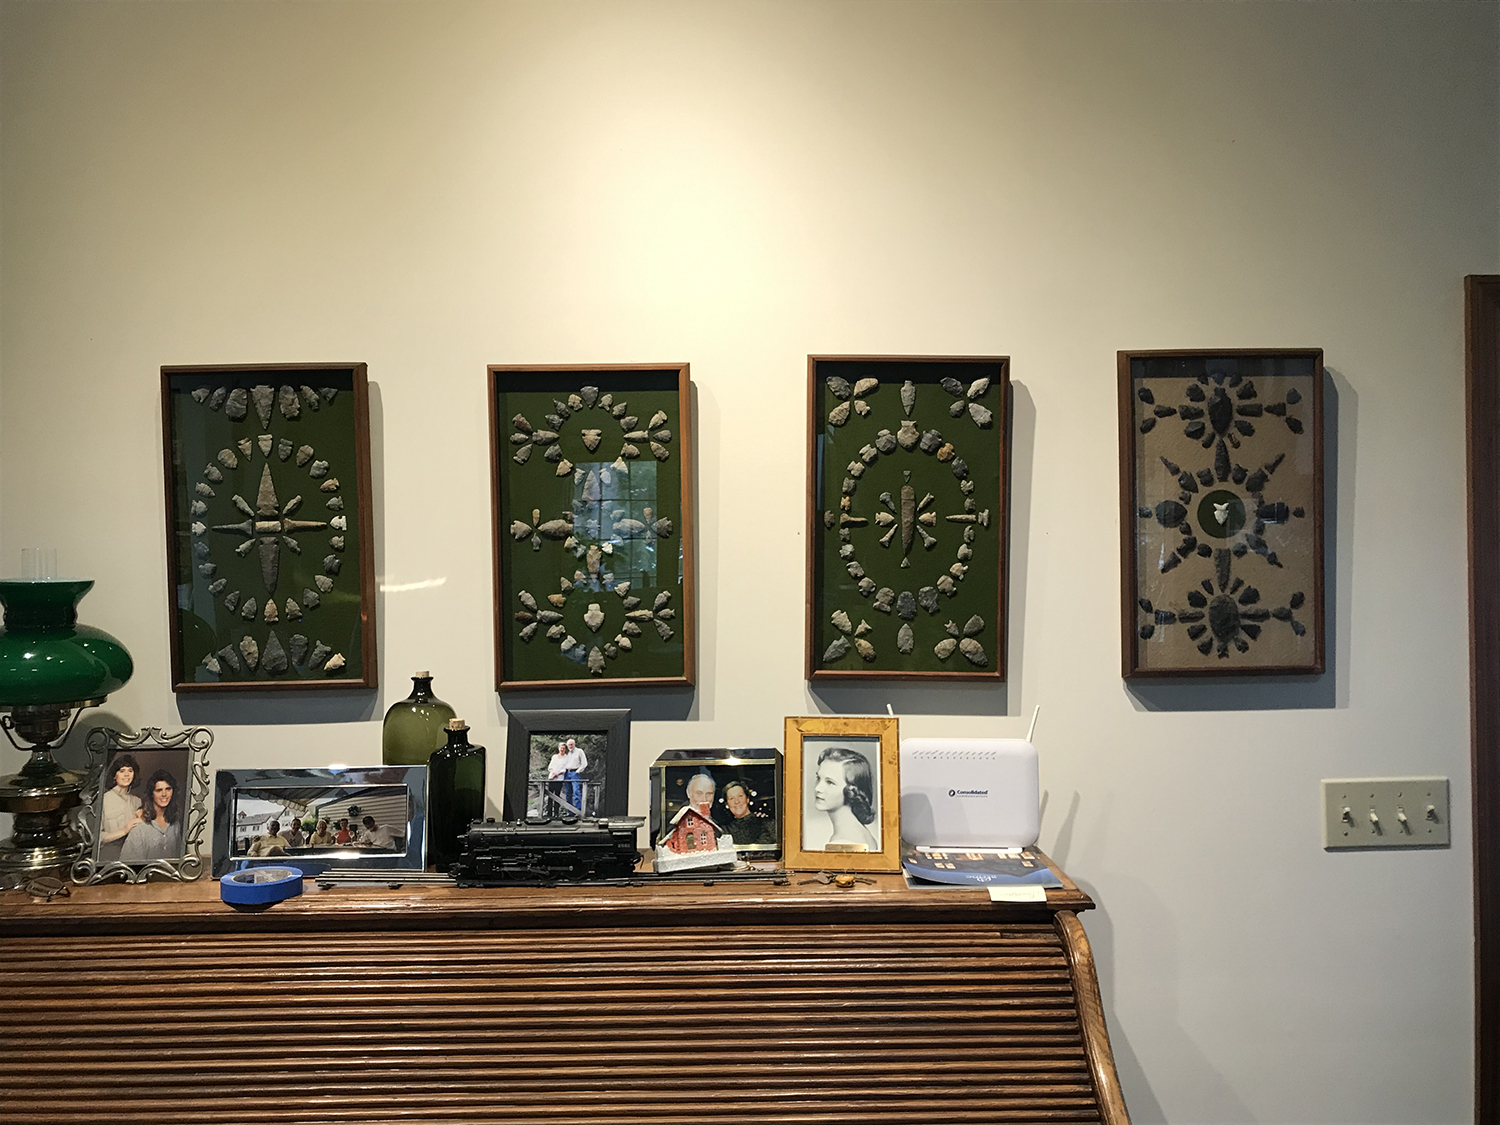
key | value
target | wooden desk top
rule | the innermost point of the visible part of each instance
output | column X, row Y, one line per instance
column 196, row 907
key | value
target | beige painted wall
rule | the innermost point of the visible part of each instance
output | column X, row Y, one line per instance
column 431, row 187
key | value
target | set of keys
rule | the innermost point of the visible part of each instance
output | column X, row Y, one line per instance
column 843, row 879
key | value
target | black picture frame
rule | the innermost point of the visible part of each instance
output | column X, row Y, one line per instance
column 522, row 726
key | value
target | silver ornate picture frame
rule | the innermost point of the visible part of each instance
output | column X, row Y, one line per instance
column 147, row 797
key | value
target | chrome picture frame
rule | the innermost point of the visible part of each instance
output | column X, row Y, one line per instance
column 319, row 790
column 754, row 771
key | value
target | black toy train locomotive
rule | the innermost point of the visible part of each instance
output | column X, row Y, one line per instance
column 535, row 853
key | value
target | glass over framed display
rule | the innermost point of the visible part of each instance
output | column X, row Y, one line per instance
column 591, row 471
column 316, row 818
column 148, row 799
column 740, row 787
column 269, row 537
column 843, row 794
column 1221, row 512
column 906, row 545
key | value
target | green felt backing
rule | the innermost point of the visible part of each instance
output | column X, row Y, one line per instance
column 837, row 446
column 648, row 491
column 204, row 623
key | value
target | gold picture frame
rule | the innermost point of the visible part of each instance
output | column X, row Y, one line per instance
column 842, row 806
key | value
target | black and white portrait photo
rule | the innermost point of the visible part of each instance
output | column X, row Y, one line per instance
column 841, row 794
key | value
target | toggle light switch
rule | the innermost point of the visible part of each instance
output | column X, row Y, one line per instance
column 1372, row 812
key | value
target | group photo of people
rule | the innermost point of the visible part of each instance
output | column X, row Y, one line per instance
column 143, row 806
column 269, row 823
column 739, row 797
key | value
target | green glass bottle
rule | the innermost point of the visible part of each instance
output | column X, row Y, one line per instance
column 455, row 794
column 414, row 726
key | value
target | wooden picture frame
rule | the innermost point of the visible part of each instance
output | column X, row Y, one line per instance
column 270, row 536
column 907, row 517
column 602, row 785
column 592, row 528
column 1221, row 512
column 180, row 760
column 863, row 813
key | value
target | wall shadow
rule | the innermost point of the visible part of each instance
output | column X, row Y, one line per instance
column 705, row 586
column 293, row 708
column 646, row 705
column 1292, row 693
column 282, row 709
column 907, row 698
column 377, row 529
column 1021, row 447
column 1140, row 1099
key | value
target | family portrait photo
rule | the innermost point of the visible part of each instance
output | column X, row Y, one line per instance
column 369, row 819
column 143, row 808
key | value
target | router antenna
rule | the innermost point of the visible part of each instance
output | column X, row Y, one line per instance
column 1032, row 729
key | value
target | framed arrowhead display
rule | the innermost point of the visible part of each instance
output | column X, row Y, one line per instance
column 906, row 517
column 591, row 472
column 271, row 564
column 1221, row 512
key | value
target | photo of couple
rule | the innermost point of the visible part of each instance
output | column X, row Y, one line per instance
column 566, row 775
column 739, row 795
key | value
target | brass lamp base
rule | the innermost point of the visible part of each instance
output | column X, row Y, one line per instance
column 44, row 840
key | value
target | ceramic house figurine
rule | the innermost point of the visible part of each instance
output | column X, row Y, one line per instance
column 694, row 843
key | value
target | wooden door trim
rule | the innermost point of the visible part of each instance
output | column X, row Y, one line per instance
column 1482, row 402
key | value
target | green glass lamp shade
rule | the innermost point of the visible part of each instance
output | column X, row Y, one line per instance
column 46, row 657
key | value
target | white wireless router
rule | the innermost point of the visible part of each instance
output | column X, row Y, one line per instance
column 969, row 792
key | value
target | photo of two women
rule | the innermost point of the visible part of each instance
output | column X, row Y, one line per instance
column 143, row 806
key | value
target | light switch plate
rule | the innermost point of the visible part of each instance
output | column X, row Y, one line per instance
column 1376, row 806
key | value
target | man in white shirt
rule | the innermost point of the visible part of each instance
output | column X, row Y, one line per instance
column 574, row 762
column 373, row 836
column 556, row 785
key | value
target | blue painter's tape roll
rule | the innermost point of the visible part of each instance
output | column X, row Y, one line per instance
column 260, row 886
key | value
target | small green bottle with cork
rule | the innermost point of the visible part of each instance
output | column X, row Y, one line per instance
column 415, row 726
column 455, row 795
